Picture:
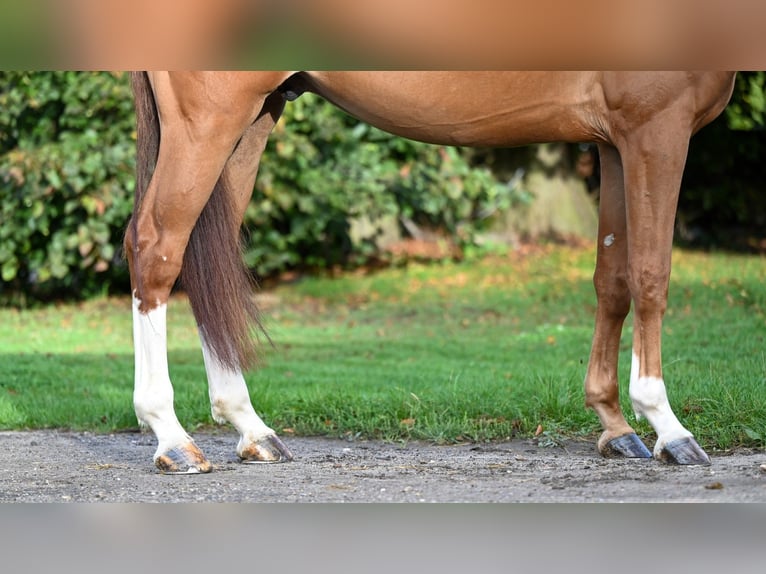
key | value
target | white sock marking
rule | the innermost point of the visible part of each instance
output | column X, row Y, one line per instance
column 153, row 391
column 230, row 400
column 650, row 400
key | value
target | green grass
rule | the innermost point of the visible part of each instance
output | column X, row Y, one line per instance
column 483, row 350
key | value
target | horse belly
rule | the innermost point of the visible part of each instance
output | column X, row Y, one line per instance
column 470, row 108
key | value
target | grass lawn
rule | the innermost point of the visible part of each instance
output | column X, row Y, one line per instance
column 481, row 350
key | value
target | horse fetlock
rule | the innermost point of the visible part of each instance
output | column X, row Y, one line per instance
column 605, row 403
column 599, row 397
column 219, row 410
column 648, row 395
column 218, row 416
column 153, row 408
column 240, row 414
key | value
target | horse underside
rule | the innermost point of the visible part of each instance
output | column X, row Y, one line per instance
column 200, row 140
column 485, row 109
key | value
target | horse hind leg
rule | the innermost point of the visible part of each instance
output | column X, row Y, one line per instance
column 613, row 304
column 229, row 397
column 186, row 173
column 153, row 391
column 156, row 263
column 230, row 403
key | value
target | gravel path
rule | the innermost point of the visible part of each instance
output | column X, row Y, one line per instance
column 50, row 466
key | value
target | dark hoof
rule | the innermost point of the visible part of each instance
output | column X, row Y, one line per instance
column 269, row 449
column 684, row 451
column 186, row 459
column 627, row 446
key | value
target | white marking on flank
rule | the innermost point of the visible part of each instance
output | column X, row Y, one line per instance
column 609, row 240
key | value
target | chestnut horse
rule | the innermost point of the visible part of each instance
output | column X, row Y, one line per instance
column 200, row 139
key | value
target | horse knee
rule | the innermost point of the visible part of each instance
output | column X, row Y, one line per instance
column 650, row 291
column 612, row 294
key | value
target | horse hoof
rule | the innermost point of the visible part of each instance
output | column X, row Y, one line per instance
column 684, row 451
column 269, row 449
column 628, row 446
column 186, row 459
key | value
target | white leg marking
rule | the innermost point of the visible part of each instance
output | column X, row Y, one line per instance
column 230, row 401
column 650, row 400
column 153, row 392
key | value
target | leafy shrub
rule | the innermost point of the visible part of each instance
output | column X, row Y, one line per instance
column 66, row 180
column 747, row 109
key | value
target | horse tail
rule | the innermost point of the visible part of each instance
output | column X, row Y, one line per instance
column 219, row 285
column 147, row 150
column 213, row 274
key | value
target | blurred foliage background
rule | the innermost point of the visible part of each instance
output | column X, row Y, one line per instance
column 328, row 190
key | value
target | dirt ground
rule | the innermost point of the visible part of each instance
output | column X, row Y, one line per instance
column 50, row 466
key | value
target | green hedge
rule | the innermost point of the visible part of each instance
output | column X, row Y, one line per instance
column 66, row 184
column 66, row 180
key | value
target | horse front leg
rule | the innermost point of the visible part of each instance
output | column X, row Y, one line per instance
column 229, row 397
column 613, row 305
column 654, row 160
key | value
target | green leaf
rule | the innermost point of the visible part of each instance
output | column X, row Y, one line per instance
column 9, row 269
